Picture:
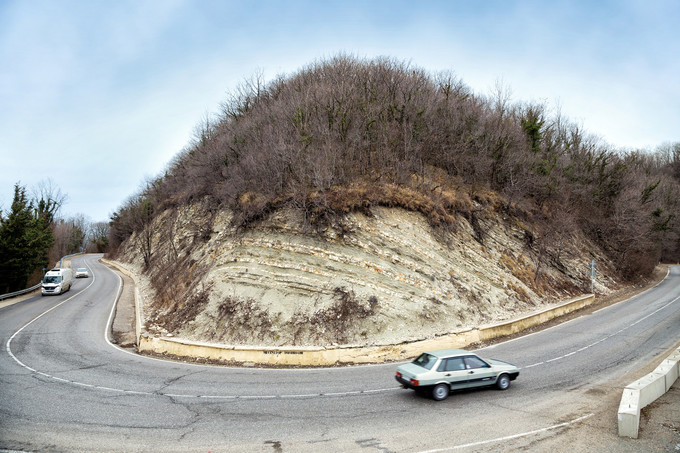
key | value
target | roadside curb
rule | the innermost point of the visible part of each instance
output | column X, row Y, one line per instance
column 139, row 315
column 310, row 356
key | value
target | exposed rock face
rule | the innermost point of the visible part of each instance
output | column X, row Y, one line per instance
column 379, row 279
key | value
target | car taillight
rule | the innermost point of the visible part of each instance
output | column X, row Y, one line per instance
column 398, row 374
column 414, row 381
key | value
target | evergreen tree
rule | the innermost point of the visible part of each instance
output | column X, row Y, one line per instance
column 76, row 239
column 25, row 238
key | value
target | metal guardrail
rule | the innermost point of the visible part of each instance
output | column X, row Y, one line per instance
column 33, row 288
column 19, row 293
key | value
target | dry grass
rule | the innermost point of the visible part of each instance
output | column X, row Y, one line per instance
column 439, row 203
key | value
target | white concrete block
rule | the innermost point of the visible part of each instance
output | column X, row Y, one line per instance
column 654, row 385
column 629, row 413
column 670, row 370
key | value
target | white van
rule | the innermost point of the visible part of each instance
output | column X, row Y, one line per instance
column 57, row 281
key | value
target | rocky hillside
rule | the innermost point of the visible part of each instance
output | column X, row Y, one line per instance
column 385, row 277
column 369, row 201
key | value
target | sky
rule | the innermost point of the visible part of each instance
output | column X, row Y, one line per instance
column 97, row 97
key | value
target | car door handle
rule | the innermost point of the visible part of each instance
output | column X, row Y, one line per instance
column 470, row 372
column 447, row 375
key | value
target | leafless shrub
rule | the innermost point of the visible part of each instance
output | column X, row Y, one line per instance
column 335, row 324
column 344, row 134
column 185, row 310
column 180, row 293
column 239, row 320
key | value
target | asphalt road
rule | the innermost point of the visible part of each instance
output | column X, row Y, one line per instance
column 65, row 387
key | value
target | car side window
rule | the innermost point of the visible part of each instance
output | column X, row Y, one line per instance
column 472, row 362
column 455, row 364
column 452, row 364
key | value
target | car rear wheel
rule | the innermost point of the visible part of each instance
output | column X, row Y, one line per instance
column 440, row 392
column 503, row 382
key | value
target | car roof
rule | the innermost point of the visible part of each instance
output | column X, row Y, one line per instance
column 449, row 352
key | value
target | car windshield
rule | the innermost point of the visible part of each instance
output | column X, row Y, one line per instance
column 82, row 269
column 425, row 360
column 52, row 279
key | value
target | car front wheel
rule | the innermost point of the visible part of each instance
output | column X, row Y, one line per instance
column 503, row 382
column 440, row 392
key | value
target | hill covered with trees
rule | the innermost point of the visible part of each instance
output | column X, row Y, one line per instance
column 347, row 136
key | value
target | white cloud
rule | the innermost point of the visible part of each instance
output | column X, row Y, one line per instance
column 100, row 95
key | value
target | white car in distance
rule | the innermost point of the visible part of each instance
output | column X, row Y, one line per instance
column 82, row 272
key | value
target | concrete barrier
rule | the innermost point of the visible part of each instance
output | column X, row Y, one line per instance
column 639, row 394
column 669, row 370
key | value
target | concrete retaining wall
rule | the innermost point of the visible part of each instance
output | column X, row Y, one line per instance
column 343, row 354
column 303, row 355
column 644, row 391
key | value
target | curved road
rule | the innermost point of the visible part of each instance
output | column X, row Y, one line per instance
column 65, row 387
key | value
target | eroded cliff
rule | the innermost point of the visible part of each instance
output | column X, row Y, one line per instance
column 382, row 277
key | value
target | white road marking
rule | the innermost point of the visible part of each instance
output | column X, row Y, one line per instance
column 513, row 436
column 595, row 343
column 255, row 397
column 172, row 395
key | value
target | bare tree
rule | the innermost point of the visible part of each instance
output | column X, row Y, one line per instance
column 99, row 237
column 349, row 133
column 48, row 199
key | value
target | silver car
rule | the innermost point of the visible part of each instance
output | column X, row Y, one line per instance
column 439, row 372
